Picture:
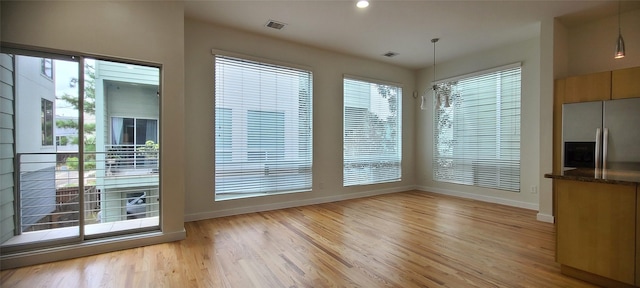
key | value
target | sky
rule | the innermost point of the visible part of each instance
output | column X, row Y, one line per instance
column 64, row 72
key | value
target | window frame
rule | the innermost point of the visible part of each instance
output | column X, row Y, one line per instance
column 300, row 165
column 46, row 68
column 135, row 126
column 47, row 140
column 349, row 180
column 483, row 171
column 53, row 240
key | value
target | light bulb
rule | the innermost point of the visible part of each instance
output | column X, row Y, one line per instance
column 362, row 4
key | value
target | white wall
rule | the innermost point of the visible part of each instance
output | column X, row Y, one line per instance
column 328, row 69
column 145, row 31
column 591, row 46
column 526, row 52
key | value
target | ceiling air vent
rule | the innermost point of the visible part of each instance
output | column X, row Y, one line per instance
column 390, row 54
column 275, row 25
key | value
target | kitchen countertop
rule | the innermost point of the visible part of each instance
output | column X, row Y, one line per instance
column 620, row 177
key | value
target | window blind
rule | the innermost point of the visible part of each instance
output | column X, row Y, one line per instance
column 263, row 127
column 372, row 133
column 477, row 130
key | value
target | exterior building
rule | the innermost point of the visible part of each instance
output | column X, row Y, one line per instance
column 127, row 125
column 65, row 136
column 35, row 139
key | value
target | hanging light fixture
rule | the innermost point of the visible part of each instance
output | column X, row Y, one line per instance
column 434, row 87
column 620, row 43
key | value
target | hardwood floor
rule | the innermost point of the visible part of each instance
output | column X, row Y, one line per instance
column 410, row 239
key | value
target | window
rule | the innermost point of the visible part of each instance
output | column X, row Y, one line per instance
column 263, row 136
column 46, row 120
column 134, row 143
column 477, row 130
column 372, row 132
column 133, row 131
column 223, row 135
column 62, row 141
column 47, row 68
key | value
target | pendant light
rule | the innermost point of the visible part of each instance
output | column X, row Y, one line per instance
column 434, row 87
column 620, row 43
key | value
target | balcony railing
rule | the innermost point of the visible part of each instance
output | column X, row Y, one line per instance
column 47, row 188
column 130, row 160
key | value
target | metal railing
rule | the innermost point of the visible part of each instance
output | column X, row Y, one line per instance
column 47, row 188
column 131, row 157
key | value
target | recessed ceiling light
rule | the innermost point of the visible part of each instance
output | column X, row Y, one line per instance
column 362, row 4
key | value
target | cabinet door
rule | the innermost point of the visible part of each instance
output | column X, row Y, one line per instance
column 625, row 83
column 638, row 235
column 596, row 228
column 590, row 87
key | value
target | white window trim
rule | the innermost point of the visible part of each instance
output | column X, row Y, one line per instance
column 399, row 99
column 277, row 63
column 471, row 75
column 261, row 60
column 478, row 73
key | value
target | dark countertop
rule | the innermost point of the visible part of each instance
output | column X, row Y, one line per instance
column 620, row 177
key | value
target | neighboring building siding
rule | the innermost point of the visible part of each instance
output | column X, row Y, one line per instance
column 130, row 101
column 36, row 169
column 127, row 73
column 37, row 195
column 30, row 88
column 69, row 133
column 6, row 148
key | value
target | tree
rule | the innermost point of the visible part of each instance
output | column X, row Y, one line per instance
column 89, row 107
column 391, row 124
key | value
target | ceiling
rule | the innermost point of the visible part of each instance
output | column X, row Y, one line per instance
column 403, row 27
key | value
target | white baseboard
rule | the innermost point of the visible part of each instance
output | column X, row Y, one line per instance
column 282, row 205
column 545, row 218
column 490, row 199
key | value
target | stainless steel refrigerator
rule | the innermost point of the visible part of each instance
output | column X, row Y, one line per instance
column 604, row 135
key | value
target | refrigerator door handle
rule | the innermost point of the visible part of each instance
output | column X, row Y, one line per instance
column 598, row 138
column 605, row 141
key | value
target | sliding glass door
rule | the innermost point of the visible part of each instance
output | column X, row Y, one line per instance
column 64, row 179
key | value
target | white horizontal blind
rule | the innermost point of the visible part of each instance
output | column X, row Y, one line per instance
column 263, row 127
column 477, row 138
column 372, row 133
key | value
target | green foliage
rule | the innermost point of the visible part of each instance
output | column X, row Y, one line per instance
column 90, row 165
column 89, row 106
column 72, row 164
column 150, row 149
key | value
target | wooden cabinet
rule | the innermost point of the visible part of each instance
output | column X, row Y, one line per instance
column 596, row 228
column 608, row 85
column 625, row 83
column 638, row 236
column 590, row 87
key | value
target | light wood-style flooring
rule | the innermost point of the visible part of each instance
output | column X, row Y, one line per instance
column 409, row 239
